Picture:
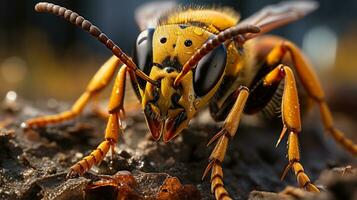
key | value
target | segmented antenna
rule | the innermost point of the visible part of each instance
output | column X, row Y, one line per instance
column 79, row 21
column 212, row 43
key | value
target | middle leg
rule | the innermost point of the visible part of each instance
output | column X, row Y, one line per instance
column 291, row 122
column 114, row 126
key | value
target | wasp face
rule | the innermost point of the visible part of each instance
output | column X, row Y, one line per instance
column 167, row 109
column 161, row 53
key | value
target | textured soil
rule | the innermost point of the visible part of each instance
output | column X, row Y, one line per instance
column 33, row 164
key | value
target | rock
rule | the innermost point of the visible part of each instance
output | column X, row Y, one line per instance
column 261, row 195
column 338, row 183
column 172, row 189
column 57, row 188
column 118, row 186
column 140, row 186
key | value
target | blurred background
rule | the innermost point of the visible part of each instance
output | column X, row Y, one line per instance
column 43, row 56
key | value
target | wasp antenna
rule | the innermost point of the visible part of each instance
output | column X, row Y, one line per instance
column 79, row 21
column 212, row 43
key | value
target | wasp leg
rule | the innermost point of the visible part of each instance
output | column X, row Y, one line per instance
column 99, row 81
column 130, row 109
column 229, row 129
column 98, row 110
column 313, row 88
column 115, row 110
column 291, row 121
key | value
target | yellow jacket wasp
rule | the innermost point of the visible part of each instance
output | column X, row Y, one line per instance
column 190, row 58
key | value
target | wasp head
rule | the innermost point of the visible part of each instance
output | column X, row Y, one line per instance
column 161, row 53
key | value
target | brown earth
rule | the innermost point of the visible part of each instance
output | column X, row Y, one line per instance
column 33, row 164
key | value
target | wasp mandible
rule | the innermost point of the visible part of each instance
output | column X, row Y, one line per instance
column 188, row 58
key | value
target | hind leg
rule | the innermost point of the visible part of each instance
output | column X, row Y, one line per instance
column 312, row 86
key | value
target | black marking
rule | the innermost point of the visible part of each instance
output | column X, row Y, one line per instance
column 100, row 151
column 183, row 26
column 94, row 158
column 169, row 69
column 260, row 96
column 179, row 119
column 142, row 39
column 174, row 63
column 163, row 40
column 158, row 65
column 156, row 95
column 175, row 101
column 198, row 24
column 264, row 69
column 273, row 107
column 87, row 163
column 220, row 113
column 81, row 166
column 188, row 43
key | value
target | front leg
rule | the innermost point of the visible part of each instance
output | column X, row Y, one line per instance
column 216, row 158
column 116, row 111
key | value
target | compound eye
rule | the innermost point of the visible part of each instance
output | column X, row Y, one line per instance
column 209, row 70
column 143, row 53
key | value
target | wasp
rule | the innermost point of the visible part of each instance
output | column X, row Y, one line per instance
column 186, row 59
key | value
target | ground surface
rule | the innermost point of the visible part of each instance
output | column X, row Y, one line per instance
column 33, row 164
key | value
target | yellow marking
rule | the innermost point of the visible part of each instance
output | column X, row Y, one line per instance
column 198, row 31
column 232, row 121
column 235, row 62
column 273, row 77
column 290, row 105
column 177, row 36
column 218, row 19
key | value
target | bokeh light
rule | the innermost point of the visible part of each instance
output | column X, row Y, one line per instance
column 320, row 44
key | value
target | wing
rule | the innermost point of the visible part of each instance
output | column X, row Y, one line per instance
column 277, row 15
column 148, row 14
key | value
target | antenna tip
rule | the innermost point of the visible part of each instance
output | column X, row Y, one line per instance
column 41, row 7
